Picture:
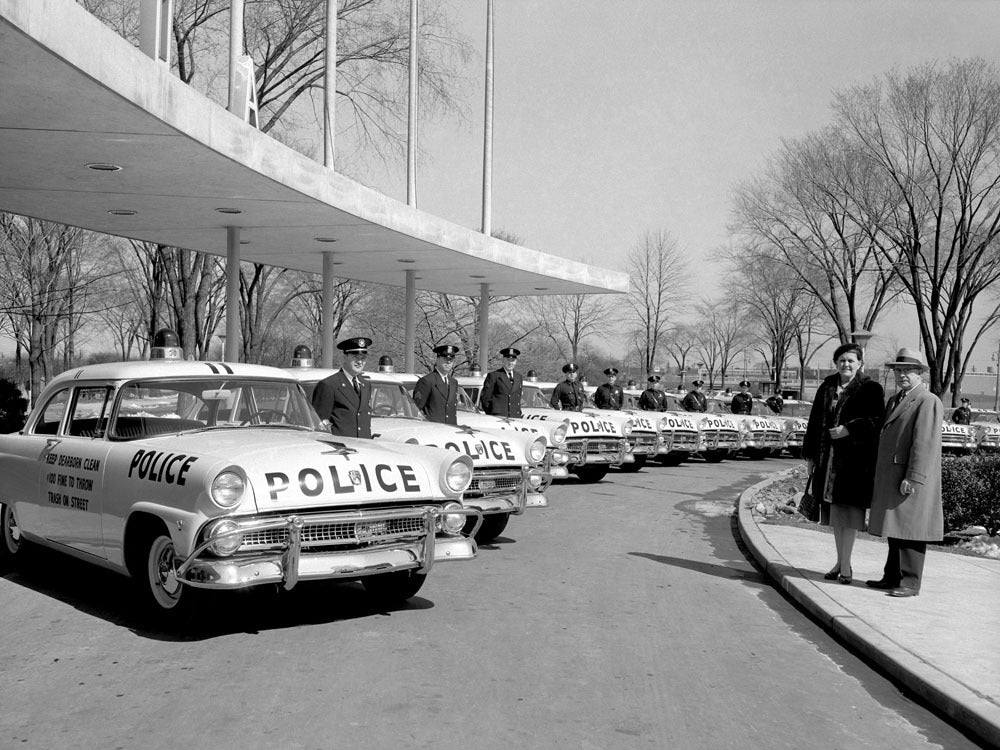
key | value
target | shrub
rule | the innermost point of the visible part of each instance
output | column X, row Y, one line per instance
column 971, row 492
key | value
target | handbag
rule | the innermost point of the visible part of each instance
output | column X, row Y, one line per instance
column 809, row 505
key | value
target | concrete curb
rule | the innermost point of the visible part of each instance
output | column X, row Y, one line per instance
column 935, row 687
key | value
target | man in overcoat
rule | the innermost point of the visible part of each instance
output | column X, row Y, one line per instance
column 436, row 393
column 343, row 400
column 609, row 395
column 501, row 394
column 906, row 503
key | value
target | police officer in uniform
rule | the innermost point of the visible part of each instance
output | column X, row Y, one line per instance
column 501, row 394
column 963, row 414
column 568, row 395
column 775, row 402
column 652, row 399
column 436, row 393
column 695, row 400
column 742, row 402
column 343, row 400
column 609, row 395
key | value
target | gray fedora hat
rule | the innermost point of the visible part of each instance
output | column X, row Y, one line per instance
column 907, row 357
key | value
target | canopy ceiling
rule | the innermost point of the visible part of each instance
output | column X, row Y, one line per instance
column 74, row 93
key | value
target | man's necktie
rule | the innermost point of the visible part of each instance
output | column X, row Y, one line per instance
column 357, row 386
column 895, row 402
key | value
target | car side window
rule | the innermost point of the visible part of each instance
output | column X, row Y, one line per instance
column 89, row 417
column 52, row 414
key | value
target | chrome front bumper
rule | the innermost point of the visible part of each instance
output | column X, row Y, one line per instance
column 290, row 564
column 600, row 451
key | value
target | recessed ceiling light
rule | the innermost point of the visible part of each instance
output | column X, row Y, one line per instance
column 325, row 239
column 541, row 288
column 98, row 166
column 244, row 242
column 405, row 260
column 476, row 276
column 229, row 210
column 122, row 212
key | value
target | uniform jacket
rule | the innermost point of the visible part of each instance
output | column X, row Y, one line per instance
column 742, row 403
column 652, row 400
column 608, row 396
column 567, row 396
column 910, row 448
column 501, row 394
column 695, row 401
column 848, row 461
column 436, row 398
column 335, row 399
column 962, row 415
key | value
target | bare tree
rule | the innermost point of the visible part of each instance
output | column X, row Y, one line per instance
column 721, row 335
column 934, row 135
column 681, row 339
column 658, row 283
column 802, row 212
column 567, row 319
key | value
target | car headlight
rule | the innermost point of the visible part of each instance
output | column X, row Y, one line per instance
column 627, row 427
column 457, row 476
column 558, row 436
column 536, row 451
column 227, row 489
column 226, row 542
column 450, row 522
column 534, row 480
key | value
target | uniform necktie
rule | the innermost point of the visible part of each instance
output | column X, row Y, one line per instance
column 357, row 386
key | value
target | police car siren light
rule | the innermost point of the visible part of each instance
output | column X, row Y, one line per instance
column 166, row 345
column 385, row 364
column 531, row 376
column 303, row 357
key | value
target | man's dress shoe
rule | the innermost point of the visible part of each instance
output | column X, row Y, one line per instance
column 903, row 591
column 881, row 584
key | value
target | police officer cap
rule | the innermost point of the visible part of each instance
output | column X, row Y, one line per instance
column 510, row 351
column 744, row 384
column 652, row 379
column 446, row 350
column 570, row 367
column 356, row 344
column 611, row 371
column 966, row 401
column 697, row 383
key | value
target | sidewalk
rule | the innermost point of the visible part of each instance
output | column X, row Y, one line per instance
column 943, row 644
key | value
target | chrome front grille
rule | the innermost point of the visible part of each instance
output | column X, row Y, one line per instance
column 644, row 443
column 594, row 445
column 720, row 439
column 327, row 533
column 685, row 440
column 764, row 438
column 486, row 482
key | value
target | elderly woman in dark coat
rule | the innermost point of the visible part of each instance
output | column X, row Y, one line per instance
column 841, row 445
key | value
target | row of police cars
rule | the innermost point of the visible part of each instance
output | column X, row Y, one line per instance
column 198, row 476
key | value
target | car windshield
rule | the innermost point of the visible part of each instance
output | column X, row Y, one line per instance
column 760, row 409
column 155, row 407
column 986, row 416
column 393, row 400
column 796, row 410
column 465, row 403
column 532, row 398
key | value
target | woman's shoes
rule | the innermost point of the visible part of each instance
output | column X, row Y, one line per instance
column 833, row 575
column 846, row 580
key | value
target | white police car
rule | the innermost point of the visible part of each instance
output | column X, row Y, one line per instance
column 507, row 466
column 206, row 475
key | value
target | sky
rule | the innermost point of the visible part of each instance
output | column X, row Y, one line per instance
column 613, row 118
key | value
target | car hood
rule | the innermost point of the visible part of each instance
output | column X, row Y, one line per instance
column 486, row 447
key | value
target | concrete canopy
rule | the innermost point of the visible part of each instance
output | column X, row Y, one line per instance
column 74, row 93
